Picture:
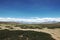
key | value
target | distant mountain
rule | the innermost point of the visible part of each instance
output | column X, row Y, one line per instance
column 22, row 22
column 9, row 22
column 31, row 20
column 47, row 22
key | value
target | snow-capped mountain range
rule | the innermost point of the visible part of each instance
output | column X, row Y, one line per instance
column 31, row 20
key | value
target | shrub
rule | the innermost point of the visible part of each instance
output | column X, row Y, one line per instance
column 26, row 35
column 8, row 26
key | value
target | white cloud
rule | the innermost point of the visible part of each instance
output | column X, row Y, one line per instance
column 36, row 19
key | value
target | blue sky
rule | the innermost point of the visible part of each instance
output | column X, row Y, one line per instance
column 29, row 8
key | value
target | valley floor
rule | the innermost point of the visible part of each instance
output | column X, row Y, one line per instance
column 54, row 32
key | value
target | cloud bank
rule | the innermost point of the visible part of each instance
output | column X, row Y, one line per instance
column 37, row 19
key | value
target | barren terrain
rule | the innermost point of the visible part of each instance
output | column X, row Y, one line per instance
column 54, row 32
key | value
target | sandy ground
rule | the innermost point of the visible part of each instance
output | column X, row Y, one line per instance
column 54, row 32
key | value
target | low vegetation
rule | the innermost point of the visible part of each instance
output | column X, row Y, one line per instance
column 31, row 26
column 16, row 34
column 24, row 35
column 38, row 26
